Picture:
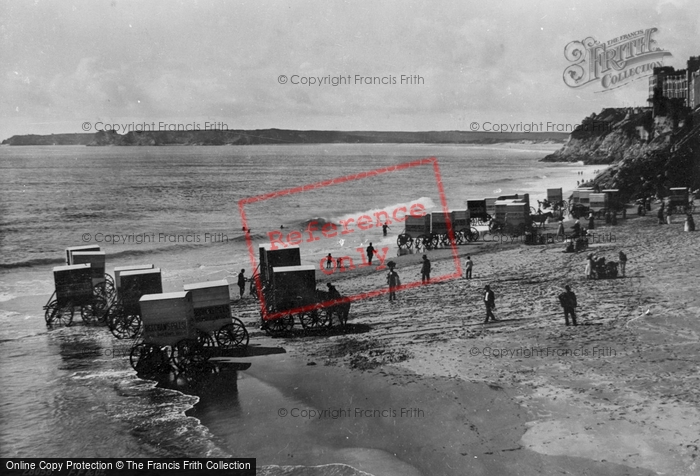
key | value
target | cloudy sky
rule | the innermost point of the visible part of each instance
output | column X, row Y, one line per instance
column 64, row 63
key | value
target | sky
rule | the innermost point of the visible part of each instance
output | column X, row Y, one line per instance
column 74, row 66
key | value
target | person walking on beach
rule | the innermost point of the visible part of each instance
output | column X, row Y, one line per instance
column 393, row 280
column 469, row 264
column 241, row 281
column 370, row 253
column 623, row 261
column 567, row 300
column 385, row 227
column 591, row 221
column 490, row 303
column 329, row 261
column 425, row 270
column 339, row 262
column 589, row 266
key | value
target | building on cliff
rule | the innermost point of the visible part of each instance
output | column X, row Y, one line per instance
column 675, row 84
column 694, row 90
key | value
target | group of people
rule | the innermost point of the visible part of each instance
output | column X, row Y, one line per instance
column 664, row 215
column 591, row 260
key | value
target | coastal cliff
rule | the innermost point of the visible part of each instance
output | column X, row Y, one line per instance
column 281, row 136
column 647, row 154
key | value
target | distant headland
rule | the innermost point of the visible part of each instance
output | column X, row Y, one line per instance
column 282, row 136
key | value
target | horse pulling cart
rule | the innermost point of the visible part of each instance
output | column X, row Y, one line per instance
column 432, row 231
column 554, row 203
column 580, row 203
column 292, row 295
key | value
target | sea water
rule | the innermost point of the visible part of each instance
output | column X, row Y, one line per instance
column 71, row 391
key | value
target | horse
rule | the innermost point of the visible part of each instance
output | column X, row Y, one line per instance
column 539, row 219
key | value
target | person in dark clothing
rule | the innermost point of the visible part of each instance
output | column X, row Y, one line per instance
column 425, row 270
column 241, row 281
column 329, row 261
column 385, row 227
column 469, row 264
column 490, row 303
column 567, row 300
column 339, row 262
column 623, row 262
column 661, row 215
column 370, row 253
column 393, row 280
column 577, row 229
column 333, row 291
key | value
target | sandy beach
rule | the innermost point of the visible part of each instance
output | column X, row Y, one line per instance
column 617, row 394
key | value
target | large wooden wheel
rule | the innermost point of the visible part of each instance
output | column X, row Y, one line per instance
column 314, row 319
column 188, row 353
column 470, row 234
column 124, row 325
column 205, row 340
column 59, row 315
column 279, row 326
column 404, row 241
column 232, row 335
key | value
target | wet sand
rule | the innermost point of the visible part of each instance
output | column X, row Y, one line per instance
column 617, row 394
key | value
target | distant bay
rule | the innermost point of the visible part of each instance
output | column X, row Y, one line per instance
column 148, row 134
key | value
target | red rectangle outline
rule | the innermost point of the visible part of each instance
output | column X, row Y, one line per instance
column 338, row 180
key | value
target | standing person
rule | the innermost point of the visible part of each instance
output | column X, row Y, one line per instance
column 623, row 262
column 560, row 229
column 567, row 300
column 425, row 270
column 241, row 281
column 589, row 266
column 577, row 229
column 385, row 227
column 661, row 214
column 370, row 253
column 689, row 223
column 469, row 264
column 490, row 303
column 393, row 280
column 339, row 262
column 329, row 261
column 591, row 221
